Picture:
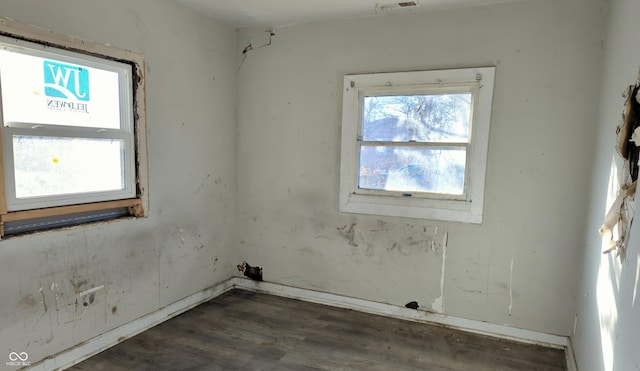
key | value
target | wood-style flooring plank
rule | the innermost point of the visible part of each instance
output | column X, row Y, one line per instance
column 242, row 330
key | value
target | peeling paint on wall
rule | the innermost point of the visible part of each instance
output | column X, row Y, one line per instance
column 349, row 233
column 438, row 303
column 370, row 238
column 44, row 300
column 621, row 211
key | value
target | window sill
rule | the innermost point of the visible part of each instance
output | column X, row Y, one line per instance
column 411, row 207
column 134, row 207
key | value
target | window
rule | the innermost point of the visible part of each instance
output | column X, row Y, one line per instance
column 72, row 131
column 415, row 143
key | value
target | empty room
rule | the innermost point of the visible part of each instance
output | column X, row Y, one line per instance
column 289, row 185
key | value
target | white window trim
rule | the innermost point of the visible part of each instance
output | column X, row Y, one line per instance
column 469, row 209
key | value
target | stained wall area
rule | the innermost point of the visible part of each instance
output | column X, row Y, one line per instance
column 519, row 266
column 184, row 245
column 607, row 330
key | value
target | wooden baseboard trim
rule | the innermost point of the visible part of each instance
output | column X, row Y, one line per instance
column 479, row 327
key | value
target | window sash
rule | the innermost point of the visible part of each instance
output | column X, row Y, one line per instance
column 124, row 71
column 13, row 203
column 412, row 193
column 388, row 89
column 9, row 130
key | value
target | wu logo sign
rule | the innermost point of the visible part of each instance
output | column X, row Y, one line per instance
column 66, row 81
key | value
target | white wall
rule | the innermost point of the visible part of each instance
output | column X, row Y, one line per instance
column 608, row 326
column 184, row 245
column 547, row 54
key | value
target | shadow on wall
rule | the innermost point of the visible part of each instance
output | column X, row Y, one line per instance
column 618, row 303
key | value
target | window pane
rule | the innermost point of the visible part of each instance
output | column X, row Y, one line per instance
column 412, row 169
column 42, row 90
column 420, row 118
column 48, row 166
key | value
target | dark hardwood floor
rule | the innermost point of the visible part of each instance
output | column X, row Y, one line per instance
column 242, row 330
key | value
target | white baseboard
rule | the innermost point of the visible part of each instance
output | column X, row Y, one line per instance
column 479, row 327
column 104, row 341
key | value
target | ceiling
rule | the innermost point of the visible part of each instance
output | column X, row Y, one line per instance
column 279, row 13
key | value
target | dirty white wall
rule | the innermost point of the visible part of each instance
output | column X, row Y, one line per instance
column 607, row 330
column 517, row 268
column 184, row 244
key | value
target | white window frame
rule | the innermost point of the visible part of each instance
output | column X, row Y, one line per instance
column 124, row 133
column 60, row 211
column 466, row 208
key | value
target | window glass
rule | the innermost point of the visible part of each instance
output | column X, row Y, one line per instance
column 43, row 89
column 421, row 118
column 411, row 169
column 49, row 166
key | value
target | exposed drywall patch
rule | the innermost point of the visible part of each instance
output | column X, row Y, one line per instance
column 56, row 295
column 44, row 300
column 438, row 303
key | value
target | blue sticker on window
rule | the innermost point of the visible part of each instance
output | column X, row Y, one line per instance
column 66, row 81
